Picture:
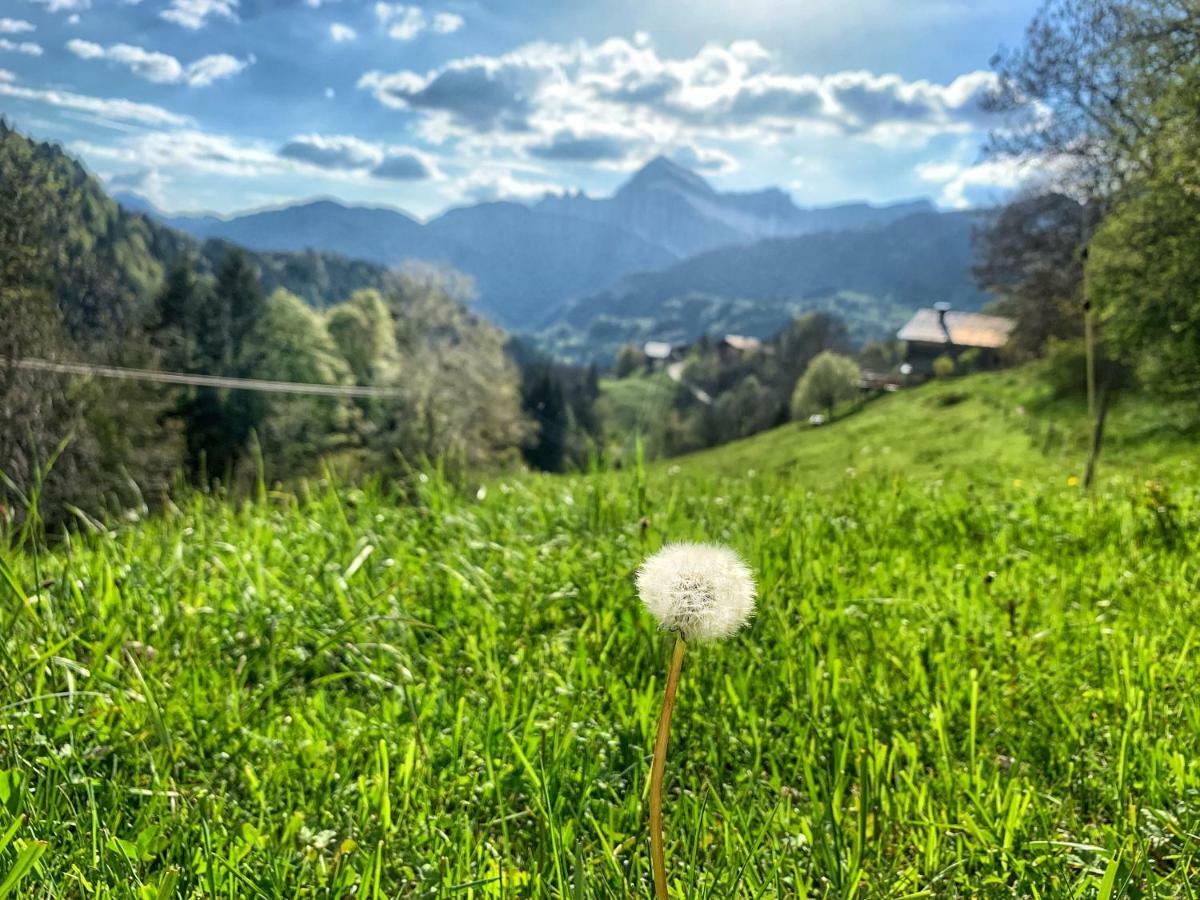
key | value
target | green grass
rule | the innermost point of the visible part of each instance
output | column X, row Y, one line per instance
column 995, row 425
column 345, row 692
column 633, row 406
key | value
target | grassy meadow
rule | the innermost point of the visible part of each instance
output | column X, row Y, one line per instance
column 967, row 678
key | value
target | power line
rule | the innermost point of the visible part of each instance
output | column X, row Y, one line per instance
column 215, row 381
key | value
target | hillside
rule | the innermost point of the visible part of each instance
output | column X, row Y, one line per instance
column 108, row 261
column 527, row 261
column 83, row 280
column 992, row 427
column 872, row 277
column 354, row 691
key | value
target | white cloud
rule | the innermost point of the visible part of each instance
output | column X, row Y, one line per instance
column 983, row 183
column 624, row 92
column 194, row 14
column 349, row 154
column 405, row 22
column 704, row 159
column 402, row 22
column 65, row 5
column 189, row 150
column 110, row 108
column 447, row 23
column 29, row 48
column 333, row 151
column 487, row 184
column 15, row 26
column 208, row 69
column 341, row 33
column 161, row 68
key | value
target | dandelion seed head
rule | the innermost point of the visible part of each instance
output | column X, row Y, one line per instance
column 700, row 591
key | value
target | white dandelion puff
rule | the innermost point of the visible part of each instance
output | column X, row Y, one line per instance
column 699, row 591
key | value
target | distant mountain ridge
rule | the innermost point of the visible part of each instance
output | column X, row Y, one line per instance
column 673, row 206
column 873, row 278
column 529, row 261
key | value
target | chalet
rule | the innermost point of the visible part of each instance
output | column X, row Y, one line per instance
column 943, row 331
column 660, row 354
column 738, row 344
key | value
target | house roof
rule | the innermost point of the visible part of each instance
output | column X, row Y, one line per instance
column 967, row 329
column 742, row 342
column 657, row 349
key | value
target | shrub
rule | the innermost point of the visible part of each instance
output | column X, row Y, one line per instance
column 829, row 379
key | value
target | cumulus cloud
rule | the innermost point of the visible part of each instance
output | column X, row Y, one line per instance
column 193, row 14
column 341, row 33
column 161, row 68
column 566, row 146
column 447, row 23
column 404, row 21
column 141, row 156
column 475, row 94
column 584, row 100
column 15, row 26
column 110, row 108
column 29, row 48
column 405, row 165
column 332, row 152
column 350, row 154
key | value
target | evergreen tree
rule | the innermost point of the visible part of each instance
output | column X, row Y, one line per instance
column 172, row 326
column 543, row 398
column 218, row 422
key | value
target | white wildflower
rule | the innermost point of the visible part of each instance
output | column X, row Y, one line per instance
column 699, row 591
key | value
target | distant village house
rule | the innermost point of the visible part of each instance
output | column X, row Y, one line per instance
column 943, row 331
column 661, row 354
column 733, row 346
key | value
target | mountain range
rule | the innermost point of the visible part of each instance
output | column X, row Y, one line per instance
column 529, row 262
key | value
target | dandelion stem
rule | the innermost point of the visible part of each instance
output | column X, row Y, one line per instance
column 659, row 767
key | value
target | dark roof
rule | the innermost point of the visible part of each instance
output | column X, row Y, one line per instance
column 967, row 329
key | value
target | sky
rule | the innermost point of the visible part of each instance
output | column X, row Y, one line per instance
column 227, row 105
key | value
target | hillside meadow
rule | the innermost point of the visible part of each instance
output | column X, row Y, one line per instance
column 967, row 678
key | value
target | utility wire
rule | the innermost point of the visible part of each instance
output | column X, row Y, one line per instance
column 215, row 381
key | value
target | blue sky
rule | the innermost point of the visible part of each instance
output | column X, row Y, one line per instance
column 226, row 105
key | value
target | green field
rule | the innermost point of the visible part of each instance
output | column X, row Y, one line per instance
column 966, row 678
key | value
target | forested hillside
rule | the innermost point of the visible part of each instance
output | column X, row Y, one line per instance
column 83, row 280
column 105, row 262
